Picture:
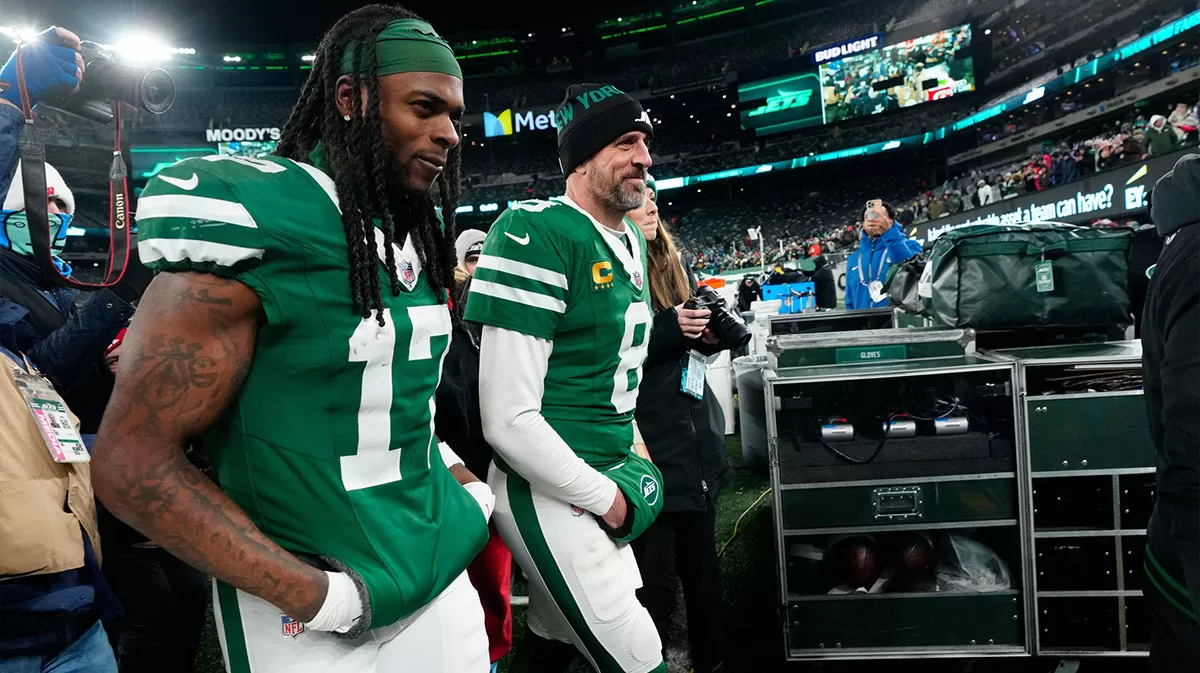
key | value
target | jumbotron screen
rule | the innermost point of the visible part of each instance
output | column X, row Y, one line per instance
column 247, row 148
column 927, row 68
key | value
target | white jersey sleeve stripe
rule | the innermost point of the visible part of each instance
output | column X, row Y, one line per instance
column 179, row 249
column 195, row 208
column 513, row 294
column 324, row 181
column 524, row 270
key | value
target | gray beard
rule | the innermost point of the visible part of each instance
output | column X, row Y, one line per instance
column 618, row 199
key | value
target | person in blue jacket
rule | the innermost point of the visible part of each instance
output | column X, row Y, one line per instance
column 883, row 244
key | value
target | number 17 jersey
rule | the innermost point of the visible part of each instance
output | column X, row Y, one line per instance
column 328, row 447
column 549, row 270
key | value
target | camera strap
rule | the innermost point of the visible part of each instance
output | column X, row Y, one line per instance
column 33, row 172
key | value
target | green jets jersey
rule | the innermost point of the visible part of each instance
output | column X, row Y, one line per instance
column 550, row 270
column 329, row 445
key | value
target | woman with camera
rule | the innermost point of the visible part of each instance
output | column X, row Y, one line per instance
column 684, row 431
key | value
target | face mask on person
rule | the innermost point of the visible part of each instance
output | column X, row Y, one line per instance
column 14, row 233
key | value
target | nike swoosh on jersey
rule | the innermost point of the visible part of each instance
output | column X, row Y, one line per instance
column 520, row 241
column 186, row 185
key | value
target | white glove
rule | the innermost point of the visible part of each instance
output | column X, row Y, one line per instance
column 478, row 490
column 342, row 606
column 449, row 457
column 484, row 496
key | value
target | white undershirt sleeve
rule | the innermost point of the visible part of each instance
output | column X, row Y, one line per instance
column 512, row 375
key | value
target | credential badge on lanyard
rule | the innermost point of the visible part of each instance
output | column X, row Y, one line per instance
column 51, row 415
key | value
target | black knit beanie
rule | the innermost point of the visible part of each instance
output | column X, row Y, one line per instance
column 592, row 116
column 1175, row 201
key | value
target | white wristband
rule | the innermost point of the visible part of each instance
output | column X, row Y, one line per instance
column 342, row 606
column 484, row 496
column 449, row 457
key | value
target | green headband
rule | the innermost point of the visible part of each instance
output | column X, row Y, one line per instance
column 408, row 45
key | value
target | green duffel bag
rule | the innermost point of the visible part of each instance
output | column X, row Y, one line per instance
column 1042, row 274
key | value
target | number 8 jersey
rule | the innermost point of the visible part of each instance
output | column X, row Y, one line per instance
column 551, row 271
column 329, row 445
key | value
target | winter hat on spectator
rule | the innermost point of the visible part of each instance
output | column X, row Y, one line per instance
column 1175, row 201
column 469, row 242
column 55, row 186
column 592, row 116
column 1158, row 122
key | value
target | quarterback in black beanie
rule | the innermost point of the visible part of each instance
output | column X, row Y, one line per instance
column 562, row 294
column 1171, row 371
column 603, row 149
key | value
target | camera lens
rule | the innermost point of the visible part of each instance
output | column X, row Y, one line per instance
column 731, row 332
column 156, row 91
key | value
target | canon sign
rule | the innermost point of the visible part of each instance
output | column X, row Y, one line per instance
column 228, row 135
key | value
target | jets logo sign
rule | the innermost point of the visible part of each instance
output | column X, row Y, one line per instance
column 784, row 101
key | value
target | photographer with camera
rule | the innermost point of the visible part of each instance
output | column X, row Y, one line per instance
column 65, row 333
column 684, row 430
column 51, row 590
column 883, row 243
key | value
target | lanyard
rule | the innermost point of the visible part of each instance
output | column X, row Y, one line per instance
column 862, row 280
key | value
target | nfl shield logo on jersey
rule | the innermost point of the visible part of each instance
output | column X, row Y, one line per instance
column 407, row 276
column 291, row 627
column 637, row 279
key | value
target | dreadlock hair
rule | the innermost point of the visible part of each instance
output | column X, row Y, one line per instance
column 358, row 159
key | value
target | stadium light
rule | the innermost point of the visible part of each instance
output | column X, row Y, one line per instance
column 231, row 59
column 23, row 34
column 308, row 58
column 672, row 96
column 143, row 48
column 987, row 31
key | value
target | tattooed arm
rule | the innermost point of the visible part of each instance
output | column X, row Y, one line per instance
column 184, row 360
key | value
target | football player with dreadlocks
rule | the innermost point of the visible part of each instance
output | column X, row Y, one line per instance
column 296, row 330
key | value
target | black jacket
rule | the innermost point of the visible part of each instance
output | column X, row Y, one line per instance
column 685, row 436
column 457, row 421
column 824, row 285
column 70, row 353
column 1171, row 366
column 1143, row 255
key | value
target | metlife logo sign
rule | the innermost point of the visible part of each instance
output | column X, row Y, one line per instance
column 508, row 122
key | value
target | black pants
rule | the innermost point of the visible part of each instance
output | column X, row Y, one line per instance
column 165, row 601
column 681, row 547
column 1174, row 638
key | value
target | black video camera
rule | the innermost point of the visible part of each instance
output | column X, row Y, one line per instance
column 730, row 331
column 105, row 80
